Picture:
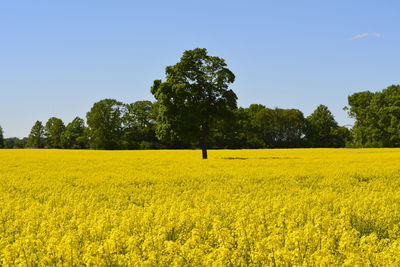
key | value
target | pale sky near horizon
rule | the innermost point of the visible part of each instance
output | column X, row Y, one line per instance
column 59, row 57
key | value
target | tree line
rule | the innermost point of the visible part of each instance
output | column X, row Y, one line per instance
column 195, row 108
column 111, row 124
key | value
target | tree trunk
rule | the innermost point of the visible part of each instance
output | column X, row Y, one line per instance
column 204, row 151
column 204, row 140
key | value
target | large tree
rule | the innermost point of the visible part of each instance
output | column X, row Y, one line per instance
column 54, row 129
column 105, row 124
column 36, row 136
column 194, row 96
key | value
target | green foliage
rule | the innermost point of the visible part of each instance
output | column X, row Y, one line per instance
column 279, row 127
column 323, row 131
column 148, row 145
column 252, row 134
column 14, row 142
column 194, row 97
column 36, row 136
column 342, row 137
column 53, row 131
column 260, row 127
column 105, row 124
column 74, row 135
column 231, row 133
column 139, row 125
column 377, row 117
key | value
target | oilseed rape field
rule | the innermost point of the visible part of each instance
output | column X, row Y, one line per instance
column 300, row 207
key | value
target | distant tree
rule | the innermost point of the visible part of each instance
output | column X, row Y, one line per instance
column 323, row 130
column 105, row 124
column 14, row 142
column 231, row 133
column 377, row 117
column 74, row 135
column 250, row 127
column 280, row 127
column 253, row 109
column 36, row 136
column 141, row 113
column 139, row 125
column 194, row 97
column 342, row 136
column 360, row 110
column 53, row 131
column 1, row 138
column 260, row 127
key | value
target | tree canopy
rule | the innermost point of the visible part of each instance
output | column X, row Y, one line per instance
column 280, row 127
column 53, row 131
column 36, row 136
column 75, row 135
column 139, row 123
column 105, row 124
column 194, row 96
column 322, row 130
column 377, row 117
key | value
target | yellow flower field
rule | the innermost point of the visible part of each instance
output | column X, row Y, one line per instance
column 163, row 208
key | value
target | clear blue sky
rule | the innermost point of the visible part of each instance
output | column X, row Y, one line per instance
column 58, row 57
